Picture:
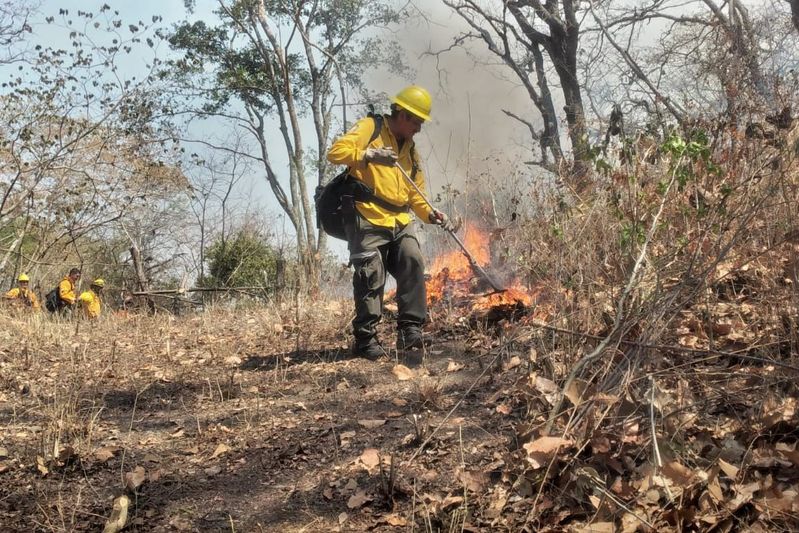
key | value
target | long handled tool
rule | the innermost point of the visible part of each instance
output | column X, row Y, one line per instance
column 480, row 271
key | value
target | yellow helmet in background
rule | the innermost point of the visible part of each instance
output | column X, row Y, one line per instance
column 23, row 277
column 99, row 282
column 415, row 100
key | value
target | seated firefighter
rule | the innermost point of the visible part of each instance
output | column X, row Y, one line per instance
column 91, row 300
column 22, row 295
column 63, row 297
column 380, row 154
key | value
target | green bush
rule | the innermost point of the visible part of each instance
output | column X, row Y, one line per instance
column 244, row 260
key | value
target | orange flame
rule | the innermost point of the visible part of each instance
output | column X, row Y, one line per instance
column 452, row 276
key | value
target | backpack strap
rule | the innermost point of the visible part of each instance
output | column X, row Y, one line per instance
column 378, row 120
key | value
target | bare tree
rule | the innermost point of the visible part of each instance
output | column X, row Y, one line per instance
column 213, row 180
column 78, row 148
column 794, row 12
column 266, row 67
column 531, row 37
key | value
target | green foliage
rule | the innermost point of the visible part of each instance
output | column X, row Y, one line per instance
column 231, row 66
column 632, row 233
column 600, row 164
column 246, row 259
column 689, row 154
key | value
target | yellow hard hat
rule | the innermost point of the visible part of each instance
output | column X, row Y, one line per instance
column 23, row 277
column 99, row 282
column 414, row 99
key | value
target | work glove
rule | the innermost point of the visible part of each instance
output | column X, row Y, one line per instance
column 380, row 156
column 441, row 219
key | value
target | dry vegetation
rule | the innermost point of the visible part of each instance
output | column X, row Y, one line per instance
column 652, row 387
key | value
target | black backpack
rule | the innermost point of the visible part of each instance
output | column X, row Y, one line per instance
column 328, row 198
column 52, row 300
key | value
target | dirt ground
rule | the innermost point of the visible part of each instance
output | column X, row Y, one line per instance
column 239, row 423
column 260, row 421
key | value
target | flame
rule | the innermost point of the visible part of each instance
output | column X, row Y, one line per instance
column 452, row 277
column 476, row 242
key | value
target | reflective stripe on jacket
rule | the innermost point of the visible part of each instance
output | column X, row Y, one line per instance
column 387, row 182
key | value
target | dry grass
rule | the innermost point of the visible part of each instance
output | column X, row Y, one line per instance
column 688, row 359
column 71, row 387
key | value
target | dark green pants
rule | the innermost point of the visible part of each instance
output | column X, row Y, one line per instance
column 375, row 250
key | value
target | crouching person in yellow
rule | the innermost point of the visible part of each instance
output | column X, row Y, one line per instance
column 23, row 295
column 91, row 300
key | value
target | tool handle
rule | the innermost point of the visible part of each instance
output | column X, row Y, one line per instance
column 480, row 270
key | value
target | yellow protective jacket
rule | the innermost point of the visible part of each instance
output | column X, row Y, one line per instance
column 92, row 304
column 388, row 183
column 26, row 295
column 66, row 291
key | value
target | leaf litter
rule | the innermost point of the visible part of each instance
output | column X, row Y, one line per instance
column 713, row 439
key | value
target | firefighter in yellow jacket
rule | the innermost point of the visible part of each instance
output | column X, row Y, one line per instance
column 379, row 232
column 91, row 300
column 22, row 294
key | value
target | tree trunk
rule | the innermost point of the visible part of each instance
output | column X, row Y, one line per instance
column 141, row 277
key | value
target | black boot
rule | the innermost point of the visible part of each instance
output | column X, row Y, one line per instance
column 410, row 338
column 368, row 348
column 410, row 345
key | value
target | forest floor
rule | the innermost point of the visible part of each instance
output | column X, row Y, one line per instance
column 259, row 420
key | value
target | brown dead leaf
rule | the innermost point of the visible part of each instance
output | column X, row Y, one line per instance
column 371, row 424
column 370, row 458
column 358, row 499
column 474, row 481
column 454, row 367
column 451, row 501
column 41, row 465
column 105, row 453
column 135, row 478
column 730, row 470
column 119, row 515
column 3, row 453
column 598, row 527
column 513, row 363
column 504, row 409
column 678, row 473
column 498, row 500
column 578, row 391
column 396, row 520
column 399, row 402
column 714, row 489
column 543, row 449
column 403, row 373
column 786, row 502
column 221, row 449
